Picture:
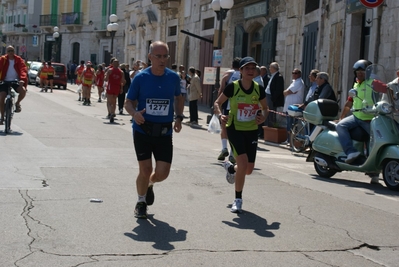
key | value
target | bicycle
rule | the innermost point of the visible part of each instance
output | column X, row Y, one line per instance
column 300, row 130
column 9, row 105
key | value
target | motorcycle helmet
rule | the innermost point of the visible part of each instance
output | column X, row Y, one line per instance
column 361, row 64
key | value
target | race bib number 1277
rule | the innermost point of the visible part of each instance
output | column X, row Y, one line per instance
column 157, row 107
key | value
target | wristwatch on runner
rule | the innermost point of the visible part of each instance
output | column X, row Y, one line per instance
column 179, row 117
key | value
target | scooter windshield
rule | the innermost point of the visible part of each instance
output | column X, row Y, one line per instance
column 384, row 91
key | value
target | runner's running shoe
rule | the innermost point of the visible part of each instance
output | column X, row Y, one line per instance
column 149, row 198
column 224, row 153
column 140, row 211
column 230, row 177
column 237, row 206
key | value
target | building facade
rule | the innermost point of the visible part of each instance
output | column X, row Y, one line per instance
column 19, row 27
column 329, row 35
column 82, row 28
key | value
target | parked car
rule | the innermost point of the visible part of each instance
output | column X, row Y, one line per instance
column 60, row 77
column 32, row 71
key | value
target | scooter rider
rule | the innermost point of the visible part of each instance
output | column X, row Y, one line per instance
column 358, row 118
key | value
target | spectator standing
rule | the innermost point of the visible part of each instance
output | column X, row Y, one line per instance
column 72, row 72
column 195, row 93
column 293, row 95
column 183, row 84
column 122, row 95
column 323, row 89
column 259, row 78
column 312, row 78
column 274, row 93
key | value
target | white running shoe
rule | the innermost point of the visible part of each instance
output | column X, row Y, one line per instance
column 236, row 207
column 230, row 177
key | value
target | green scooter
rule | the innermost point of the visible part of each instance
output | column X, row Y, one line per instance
column 379, row 151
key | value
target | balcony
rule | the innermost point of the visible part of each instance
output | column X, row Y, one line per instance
column 23, row 4
column 73, row 20
column 166, row 4
column 48, row 22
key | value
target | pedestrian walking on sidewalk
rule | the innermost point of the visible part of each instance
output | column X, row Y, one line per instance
column 152, row 97
column 248, row 109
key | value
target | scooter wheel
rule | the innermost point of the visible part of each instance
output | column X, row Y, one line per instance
column 391, row 174
column 324, row 172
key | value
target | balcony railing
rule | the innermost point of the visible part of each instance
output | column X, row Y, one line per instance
column 73, row 18
column 49, row 20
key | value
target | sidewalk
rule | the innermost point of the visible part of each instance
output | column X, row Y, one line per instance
column 203, row 113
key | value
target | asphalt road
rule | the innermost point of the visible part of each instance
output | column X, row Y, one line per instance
column 62, row 154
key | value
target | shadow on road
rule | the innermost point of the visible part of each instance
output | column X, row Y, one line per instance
column 12, row 133
column 251, row 221
column 158, row 232
column 376, row 188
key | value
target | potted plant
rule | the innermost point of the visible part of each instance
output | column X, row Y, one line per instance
column 278, row 132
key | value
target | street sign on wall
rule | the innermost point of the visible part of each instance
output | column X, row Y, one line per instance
column 371, row 3
column 353, row 6
column 210, row 74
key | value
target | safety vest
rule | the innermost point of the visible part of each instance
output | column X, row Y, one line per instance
column 79, row 73
column 365, row 94
column 88, row 75
column 244, row 108
column 50, row 70
column 43, row 72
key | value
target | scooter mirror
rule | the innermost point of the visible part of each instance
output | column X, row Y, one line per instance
column 352, row 93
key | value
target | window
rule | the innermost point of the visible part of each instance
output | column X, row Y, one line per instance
column 208, row 23
column 172, row 31
column 311, row 5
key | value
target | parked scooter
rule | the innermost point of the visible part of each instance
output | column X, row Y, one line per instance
column 379, row 151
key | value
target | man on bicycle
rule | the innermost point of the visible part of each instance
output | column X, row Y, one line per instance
column 12, row 67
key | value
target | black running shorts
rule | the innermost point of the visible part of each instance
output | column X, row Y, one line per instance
column 145, row 146
column 243, row 142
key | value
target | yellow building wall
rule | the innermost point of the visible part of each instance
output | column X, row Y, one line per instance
column 65, row 6
column 46, row 7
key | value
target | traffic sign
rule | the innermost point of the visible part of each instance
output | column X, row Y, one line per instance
column 371, row 3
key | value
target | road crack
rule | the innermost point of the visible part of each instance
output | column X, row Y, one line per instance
column 29, row 221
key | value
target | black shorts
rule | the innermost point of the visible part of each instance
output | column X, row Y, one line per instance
column 5, row 85
column 50, row 77
column 145, row 146
column 243, row 142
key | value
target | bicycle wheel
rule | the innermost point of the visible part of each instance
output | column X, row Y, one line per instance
column 8, row 116
column 298, row 136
